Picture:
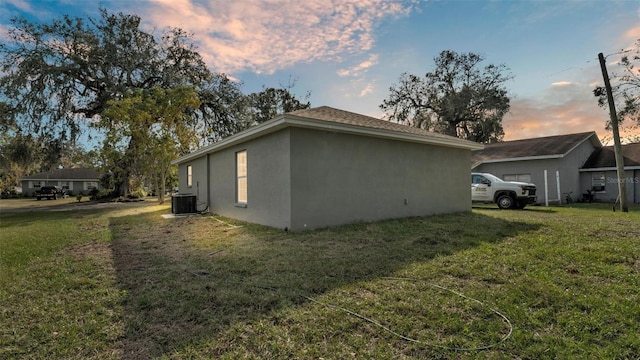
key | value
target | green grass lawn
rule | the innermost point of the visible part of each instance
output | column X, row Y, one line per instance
column 124, row 283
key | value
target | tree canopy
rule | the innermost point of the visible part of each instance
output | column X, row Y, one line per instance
column 147, row 129
column 71, row 75
column 460, row 97
column 625, row 87
column 268, row 103
column 59, row 74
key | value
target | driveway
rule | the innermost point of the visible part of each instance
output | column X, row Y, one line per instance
column 69, row 204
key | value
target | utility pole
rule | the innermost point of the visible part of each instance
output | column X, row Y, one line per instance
column 617, row 146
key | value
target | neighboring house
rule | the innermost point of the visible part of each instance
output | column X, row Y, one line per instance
column 323, row 166
column 561, row 157
column 600, row 175
column 74, row 181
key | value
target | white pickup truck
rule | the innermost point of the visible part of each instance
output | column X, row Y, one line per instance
column 488, row 188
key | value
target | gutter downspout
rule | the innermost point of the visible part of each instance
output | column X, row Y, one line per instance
column 208, row 183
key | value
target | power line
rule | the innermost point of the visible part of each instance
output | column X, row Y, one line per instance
column 587, row 62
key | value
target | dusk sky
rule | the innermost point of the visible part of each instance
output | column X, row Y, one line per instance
column 348, row 53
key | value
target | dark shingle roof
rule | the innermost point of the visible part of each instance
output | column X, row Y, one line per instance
column 604, row 157
column 326, row 113
column 549, row 146
column 331, row 119
column 65, row 174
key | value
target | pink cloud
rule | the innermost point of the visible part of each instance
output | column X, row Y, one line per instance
column 360, row 68
column 633, row 33
column 569, row 106
column 566, row 109
column 22, row 5
column 264, row 36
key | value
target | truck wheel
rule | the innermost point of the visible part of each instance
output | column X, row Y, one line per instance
column 505, row 202
column 38, row 197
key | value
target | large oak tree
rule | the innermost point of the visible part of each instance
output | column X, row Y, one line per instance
column 460, row 97
column 58, row 77
column 74, row 74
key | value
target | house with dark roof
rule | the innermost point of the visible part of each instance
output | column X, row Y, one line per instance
column 74, row 181
column 599, row 173
column 323, row 166
column 553, row 163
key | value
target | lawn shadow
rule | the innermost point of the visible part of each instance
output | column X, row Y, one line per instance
column 535, row 207
column 188, row 280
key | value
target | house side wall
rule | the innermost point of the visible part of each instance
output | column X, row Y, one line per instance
column 198, row 183
column 570, row 172
column 339, row 178
column 535, row 168
column 568, row 168
column 636, row 186
column 77, row 186
column 610, row 192
column 268, row 181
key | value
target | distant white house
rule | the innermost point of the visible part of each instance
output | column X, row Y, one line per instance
column 323, row 166
column 74, row 181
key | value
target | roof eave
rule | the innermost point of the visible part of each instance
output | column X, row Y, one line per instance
column 266, row 127
column 523, row 158
column 592, row 136
column 609, row 168
column 287, row 120
column 448, row 141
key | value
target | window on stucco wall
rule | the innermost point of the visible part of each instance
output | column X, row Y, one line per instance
column 89, row 185
column 189, row 176
column 241, row 177
column 66, row 185
column 597, row 181
column 518, row 177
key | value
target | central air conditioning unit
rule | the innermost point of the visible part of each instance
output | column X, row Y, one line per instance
column 183, row 204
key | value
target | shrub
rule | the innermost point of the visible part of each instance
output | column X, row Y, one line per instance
column 94, row 193
column 138, row 194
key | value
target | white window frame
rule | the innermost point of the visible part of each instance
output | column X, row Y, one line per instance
column 32, row 184
column 598, row 179
column 242, row 170
column 88, row 185
column 517, row 177
column 189, row 175
column 69, row 185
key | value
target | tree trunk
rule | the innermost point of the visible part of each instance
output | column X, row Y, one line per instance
column 125, row 188
column 162, row 187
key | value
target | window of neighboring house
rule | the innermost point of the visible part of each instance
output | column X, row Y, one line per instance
column 518, row 177
column 189, row 175
column 241, row 177
column 88, row 185
column 597, row 181
column 35, row 184
column 65, row 185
